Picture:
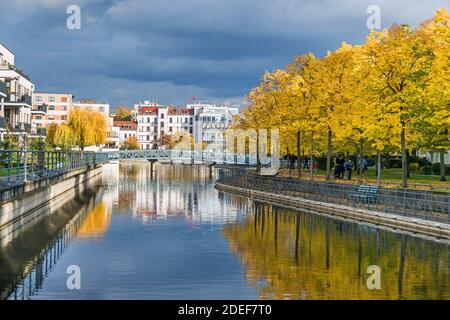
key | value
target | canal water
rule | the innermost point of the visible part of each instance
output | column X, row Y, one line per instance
column 171, row 235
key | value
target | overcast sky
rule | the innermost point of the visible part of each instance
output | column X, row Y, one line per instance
column 131, row 50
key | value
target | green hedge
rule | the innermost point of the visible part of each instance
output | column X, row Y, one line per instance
column 437, row 169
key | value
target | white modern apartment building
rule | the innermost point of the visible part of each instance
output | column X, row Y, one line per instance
column 50, row 108
column 121, row 131
column 207, row 123
column 211, row 123
column 16, row 90
column 92, row 104
column 155, row 122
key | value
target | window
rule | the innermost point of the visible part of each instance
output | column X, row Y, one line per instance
column 170, row 120
column 38, row 98
column 170, row 129
column 51, row 107
column 64, row 108
column 162, row 124
column 162, row 115
column 102, row 109
column 63, row 117
column 63, row 99
column 51, row 99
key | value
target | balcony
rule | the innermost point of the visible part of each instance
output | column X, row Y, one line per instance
column 12, row 100
column 42, row 109
column 25, row 99
column 39, row 131
column 20, row 127
column 2, row 89
column 3, row 123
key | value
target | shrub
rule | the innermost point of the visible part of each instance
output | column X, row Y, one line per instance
column 414, row 167
column 436, row 168
column 426, row 170
column 370, row 162
column 423, row 162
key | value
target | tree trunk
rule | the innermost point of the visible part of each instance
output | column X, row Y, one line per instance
column 378, row 167
column 299, row 167
column 258, row 161
column 408, row 173
column 289, row 161
column 329, row 150
column 442, row 165
column 312, row 156
column 404, row 159
column 360, row 156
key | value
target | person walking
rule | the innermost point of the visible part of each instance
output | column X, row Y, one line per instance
column 362, row 167
column 348, row 165
column 341, row 167
column 337, row 168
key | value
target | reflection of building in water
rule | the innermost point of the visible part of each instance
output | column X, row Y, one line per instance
column 173, row 190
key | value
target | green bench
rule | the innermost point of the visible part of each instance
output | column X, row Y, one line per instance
column 366, row 194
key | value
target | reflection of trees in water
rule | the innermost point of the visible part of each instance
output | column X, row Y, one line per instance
column 96, row 222
column 128, row 171
column 296, row 255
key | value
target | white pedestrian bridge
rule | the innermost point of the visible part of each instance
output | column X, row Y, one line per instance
column 182, row 156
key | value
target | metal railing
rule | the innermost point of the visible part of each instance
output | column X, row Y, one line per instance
column 20, row 127
column 421, row 204
column 3, row 123
column 20, row 166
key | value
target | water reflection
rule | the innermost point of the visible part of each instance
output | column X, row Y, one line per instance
column 172, row 190
column 293, row 255
column 29, row 258
column 96, row 223
column 170, row 235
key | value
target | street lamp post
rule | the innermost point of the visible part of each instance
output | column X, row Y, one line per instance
column 25, row 160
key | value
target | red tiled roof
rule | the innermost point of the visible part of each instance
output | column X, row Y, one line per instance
column 180, row 110
column 122, row 123
column 148, row 110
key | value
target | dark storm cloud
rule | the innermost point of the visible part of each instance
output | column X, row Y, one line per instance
column 129, row 50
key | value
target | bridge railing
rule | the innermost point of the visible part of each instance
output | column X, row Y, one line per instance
column 185, row 156
column 421, row 204
column 19, row 166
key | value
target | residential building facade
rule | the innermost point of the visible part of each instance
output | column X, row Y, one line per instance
column 211, row 123
column 156, row 122
column 50, row 108
column 121, row 131
column 16, row 95
column 92, row 104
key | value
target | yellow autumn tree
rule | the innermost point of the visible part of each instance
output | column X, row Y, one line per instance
column 400, row 61
column 88, row 127
column 64, row 137
column 388, row 95
column 433, row 122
